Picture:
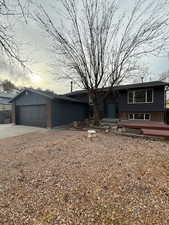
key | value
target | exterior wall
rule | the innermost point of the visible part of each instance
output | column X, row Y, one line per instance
column 5, row 117
column 158, row 116
column 64, row 112
column 111, row 99
column 102, row 104
column 155, row 116
column 123, row 116
column 156, row 106
column 31, row 99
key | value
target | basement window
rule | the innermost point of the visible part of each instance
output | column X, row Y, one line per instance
column 139, row 116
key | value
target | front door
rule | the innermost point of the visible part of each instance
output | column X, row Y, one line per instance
column 111, row 111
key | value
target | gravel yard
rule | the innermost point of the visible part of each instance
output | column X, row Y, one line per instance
column 64, row 178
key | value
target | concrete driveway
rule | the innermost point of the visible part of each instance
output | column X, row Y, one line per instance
column 10, row 130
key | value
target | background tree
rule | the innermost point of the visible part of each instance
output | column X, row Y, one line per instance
column 8, row 86
column 99, row 44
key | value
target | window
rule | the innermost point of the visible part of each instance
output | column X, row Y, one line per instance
column 140, row 96
column 149, row 95
column 130, row 97
column 131, row 116
column 139, row 116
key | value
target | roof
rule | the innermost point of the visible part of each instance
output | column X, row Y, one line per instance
column 5, row 97
column 47, row 94
column 124, row 87
column 4, row 101
column 76, row 93
column 143, row 85
column 8, row 95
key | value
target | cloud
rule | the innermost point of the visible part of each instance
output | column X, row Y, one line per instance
column 12, row 71
column 24, row 78
column 34, row 46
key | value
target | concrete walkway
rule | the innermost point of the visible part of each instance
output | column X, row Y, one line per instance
column 10, row 130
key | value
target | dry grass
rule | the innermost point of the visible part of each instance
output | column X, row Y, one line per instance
column 64, row 178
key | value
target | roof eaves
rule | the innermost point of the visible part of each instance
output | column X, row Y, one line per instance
column 121, row 87
column 75, row 93
column 64, row 97
column 54, row 96
column 16, row 96
column 41, row 93
column 31, row 90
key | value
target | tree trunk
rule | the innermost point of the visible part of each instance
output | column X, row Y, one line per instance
column 96, row 114
column 95, row 108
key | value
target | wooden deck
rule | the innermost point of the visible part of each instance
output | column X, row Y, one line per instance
column 147, row 128
column 144, row 125
column 156, row 133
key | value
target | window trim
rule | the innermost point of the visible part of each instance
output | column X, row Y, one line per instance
column 133, row 115
column 134, row 102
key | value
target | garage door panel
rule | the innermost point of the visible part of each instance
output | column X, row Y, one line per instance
column 34, row 115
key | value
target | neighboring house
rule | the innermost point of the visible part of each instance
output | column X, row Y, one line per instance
column 143, row 101
column 5, row 106
column 167, row 103
column 44, row 109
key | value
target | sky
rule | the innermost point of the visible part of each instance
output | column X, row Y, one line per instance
column 35, row 48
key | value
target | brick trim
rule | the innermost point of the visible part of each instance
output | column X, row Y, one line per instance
column 13, row 113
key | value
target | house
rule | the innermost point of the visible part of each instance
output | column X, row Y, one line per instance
column 167, row 103
column 142, row 101
column 5, row 106
column 43, row 109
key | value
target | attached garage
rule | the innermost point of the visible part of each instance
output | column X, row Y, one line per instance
column 43, row 109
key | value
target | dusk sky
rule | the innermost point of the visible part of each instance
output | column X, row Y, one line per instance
column 34, row 47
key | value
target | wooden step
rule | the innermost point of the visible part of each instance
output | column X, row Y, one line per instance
column 107, row 120
column 156, row 133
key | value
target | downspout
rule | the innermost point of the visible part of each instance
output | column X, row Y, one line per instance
column 165, row 102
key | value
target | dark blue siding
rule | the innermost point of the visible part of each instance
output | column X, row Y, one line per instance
column 156, row 106
column 65, row 112
column 31, row 99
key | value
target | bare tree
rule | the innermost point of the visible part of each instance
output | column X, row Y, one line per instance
column 99, row 45
column 11, row 9
column 164, row 76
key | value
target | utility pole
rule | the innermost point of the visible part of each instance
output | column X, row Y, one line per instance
column 71, row 86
